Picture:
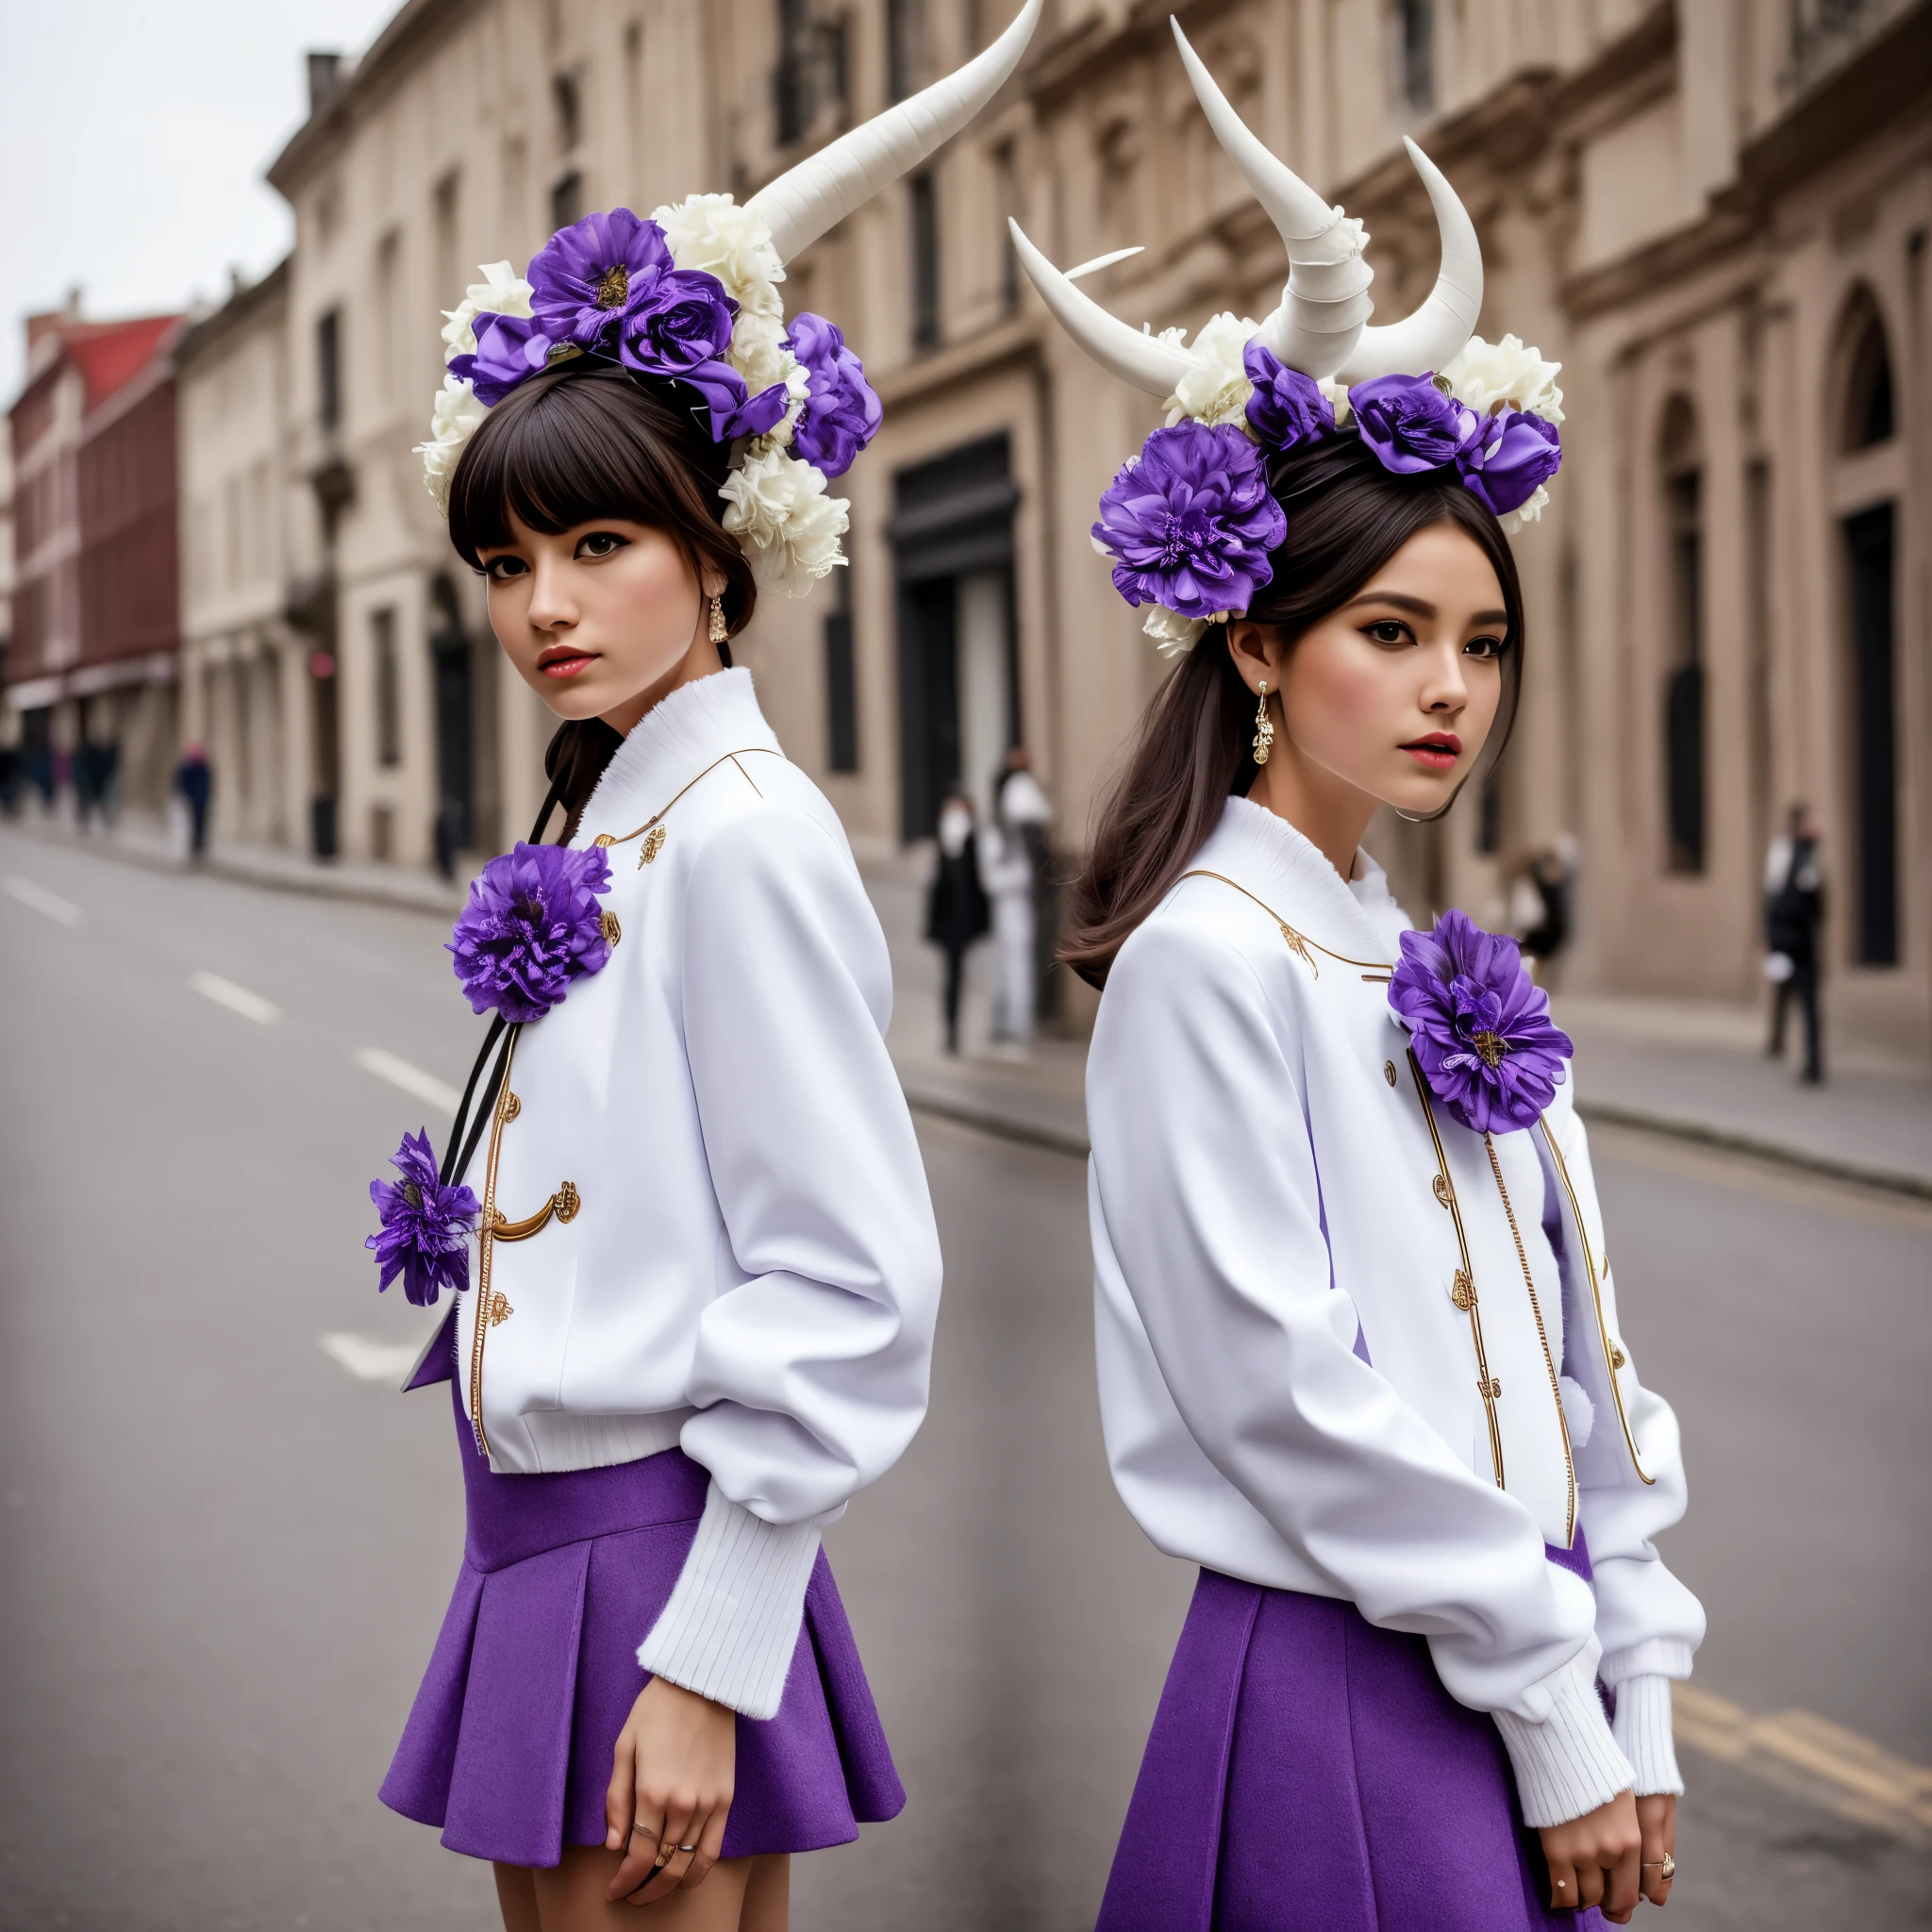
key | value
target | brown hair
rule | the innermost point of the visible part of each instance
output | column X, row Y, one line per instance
column 587, row 441
column 1348, row 516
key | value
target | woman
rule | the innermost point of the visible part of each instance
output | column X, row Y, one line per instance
column 1359, row 1348
column 706, row 1274
column 956, row 913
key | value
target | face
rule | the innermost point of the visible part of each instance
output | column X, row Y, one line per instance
column 601, row 620
column 1390, row 698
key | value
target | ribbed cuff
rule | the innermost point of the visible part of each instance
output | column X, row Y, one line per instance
column 732, row 1622
column 1642, row 1730
column 1569, row 1764
column 1657, row 1656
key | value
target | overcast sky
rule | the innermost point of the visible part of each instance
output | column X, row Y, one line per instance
column 133, row 136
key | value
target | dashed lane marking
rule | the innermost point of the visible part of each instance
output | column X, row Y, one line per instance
column 62, row 911
column 370, row 1359
column 410, row 1078
column 238, row 999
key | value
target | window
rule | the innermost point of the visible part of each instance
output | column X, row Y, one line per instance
column 567, row 200
column 1683, row 516
column 570, row 111
column 925, row 261
column 328, row 369
column 388, row 321
column 1414, row 25
column 791, row 79
column 842, row 684
column 1867, row 418
column 388, row 705
column 905, row 47
column 449, row 270
column 1006, row 200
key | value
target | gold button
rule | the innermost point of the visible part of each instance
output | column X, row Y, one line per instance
column 1439, row 1186
column 1617, row 1357
column 613, row 931
column 511, row 1107
column 1388, row 1071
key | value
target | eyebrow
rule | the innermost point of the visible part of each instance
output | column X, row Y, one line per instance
column 1420, row 607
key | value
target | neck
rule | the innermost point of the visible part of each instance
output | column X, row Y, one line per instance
column 1330, row 813
column 701, row 660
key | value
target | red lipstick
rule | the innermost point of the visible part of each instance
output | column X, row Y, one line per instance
column 1438, row 750
column 562, row 660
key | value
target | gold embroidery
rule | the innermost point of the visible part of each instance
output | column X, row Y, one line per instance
column 1439, row 1186
column 1388, row 1071
column 603, row 838
column 1298, row 943
column 613, row 931
column 1542, row 1336
column 511, row 1104
column 563, row 1203
column 729, row 757
column 1463, row 1292
column 654, row 843
column 1299, row 948
column 500, row 1309
column 508, row 1108
column 1613, row 1355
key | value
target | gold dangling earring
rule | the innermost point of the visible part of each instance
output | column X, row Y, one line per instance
column 1264, row 728
column 720, row 630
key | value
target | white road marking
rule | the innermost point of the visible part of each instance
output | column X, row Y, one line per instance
column 62, row 911
column 369, row 1360
column 411, row 1079
column 238, row 999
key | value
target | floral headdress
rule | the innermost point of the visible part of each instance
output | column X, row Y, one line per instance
column 690, row 297
column 1190, row 521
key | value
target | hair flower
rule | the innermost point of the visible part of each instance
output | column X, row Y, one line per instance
column 586, row 278
column 843, row 412
column 531, row 927
column 1480, row 1026
column 426, row 1225
column 1411, row 423
column 1513, row 455
column 1287, row 407
column 1191, row 523
column 510, row 349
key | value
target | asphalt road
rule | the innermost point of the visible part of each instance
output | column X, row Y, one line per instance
column 227, row 1553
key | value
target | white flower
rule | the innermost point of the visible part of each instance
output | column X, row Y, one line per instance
column 1337, row 393
column 712, row 233
column 1173, row 632
column 758, row 353
column 1530, row 512
column 1484, row 374
column 452, row 424
column 1216, row 388
column 789, row 528
column 502, row 292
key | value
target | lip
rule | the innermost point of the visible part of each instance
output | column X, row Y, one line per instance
column 1438, row 750
column 563, row 661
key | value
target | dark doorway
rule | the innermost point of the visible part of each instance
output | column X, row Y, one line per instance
column 1683, row 683
column 1874, row 754
column 449, row 647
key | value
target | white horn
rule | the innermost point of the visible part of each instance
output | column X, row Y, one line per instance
column 1121, row 349
column 1327, row 302
column 1438, row 331
column 824, row 188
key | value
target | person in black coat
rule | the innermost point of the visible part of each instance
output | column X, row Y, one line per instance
column 195, row 783
column 957, row 911
column 1793, row 914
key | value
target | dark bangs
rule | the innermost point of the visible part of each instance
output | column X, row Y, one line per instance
column 579, row 443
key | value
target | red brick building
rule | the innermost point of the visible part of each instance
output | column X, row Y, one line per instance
column 92, row 664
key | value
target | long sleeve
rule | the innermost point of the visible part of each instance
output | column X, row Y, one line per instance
column 810, row 1377
column 1204, row 1179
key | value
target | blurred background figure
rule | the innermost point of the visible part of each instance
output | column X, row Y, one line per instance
column 195, row 783
column 1540, row 904
column 955, row 908
column 1793, row 914
column 1015, row 868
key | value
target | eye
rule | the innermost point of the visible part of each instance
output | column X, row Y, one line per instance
column 1490, row 648
column 1387, row 630
column 601, row 544
column 500, row 570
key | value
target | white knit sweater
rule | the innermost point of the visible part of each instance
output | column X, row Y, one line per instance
column 751, row 1270
column 1288, row 1305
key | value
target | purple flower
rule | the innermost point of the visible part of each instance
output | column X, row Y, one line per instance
column 1480, row 1025
column 842, row 413
column 678, row 321
column 1410, row 425
column 425, row 1226
column 587, row 278
column 510, row 349
column 1287, row 408
column 532, row 926
column 1513, row 453
column 1191, row 523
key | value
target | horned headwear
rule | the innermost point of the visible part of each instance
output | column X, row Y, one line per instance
column 1190, row 523
column 690, row 297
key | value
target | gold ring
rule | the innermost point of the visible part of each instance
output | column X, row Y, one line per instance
column 638, row 1829
column 687, row 1848
column 1667, row 1865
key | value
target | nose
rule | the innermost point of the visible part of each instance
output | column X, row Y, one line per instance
column 1444, row 688
column 552, row 605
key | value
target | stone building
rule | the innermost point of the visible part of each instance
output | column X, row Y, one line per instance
column 90, row 665
column 1712, row 211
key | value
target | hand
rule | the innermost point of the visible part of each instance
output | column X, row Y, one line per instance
column 671, row 1785
column 1594, row 1859
column 1656, row 1820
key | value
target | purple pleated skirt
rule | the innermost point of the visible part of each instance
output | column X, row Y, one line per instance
column 509, row 1748
column 1308, row 1772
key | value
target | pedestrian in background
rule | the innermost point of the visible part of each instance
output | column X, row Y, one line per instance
column 1793, row 912
column 1013, row 865
column 195, row 783
column 1540, row 904
column 956, row 913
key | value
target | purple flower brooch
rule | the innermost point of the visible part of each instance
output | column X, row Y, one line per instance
column 1480, row 1025
column 532, row 926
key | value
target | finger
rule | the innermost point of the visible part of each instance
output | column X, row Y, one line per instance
column 670, row 1861
column 1562, row 1885
column 711, row 1843
column 1623, row 1884
column 1589, row 1882
column 618, row 1800
column 640, row 1859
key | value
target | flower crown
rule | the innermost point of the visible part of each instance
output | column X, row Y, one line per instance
column 689, row 297
column 1189, row 524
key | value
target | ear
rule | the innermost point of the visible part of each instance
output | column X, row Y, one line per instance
column 1257, row 650
column 712, row 582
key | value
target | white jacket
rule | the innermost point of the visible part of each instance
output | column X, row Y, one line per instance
column 1322, row 1367
column 749, row 1269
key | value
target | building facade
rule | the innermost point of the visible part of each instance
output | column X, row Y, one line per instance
column 91, row 666
column 1712, row 212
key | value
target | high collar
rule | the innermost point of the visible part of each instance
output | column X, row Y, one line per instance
column 1261, row 852
column 693, row 727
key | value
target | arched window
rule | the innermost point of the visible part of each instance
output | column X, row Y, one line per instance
column 1868, row 414
column 1681, row 483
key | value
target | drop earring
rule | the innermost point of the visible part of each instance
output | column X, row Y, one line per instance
column 720, row 630
column 1264, row 728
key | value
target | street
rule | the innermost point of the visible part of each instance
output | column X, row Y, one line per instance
column 229, row 1541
